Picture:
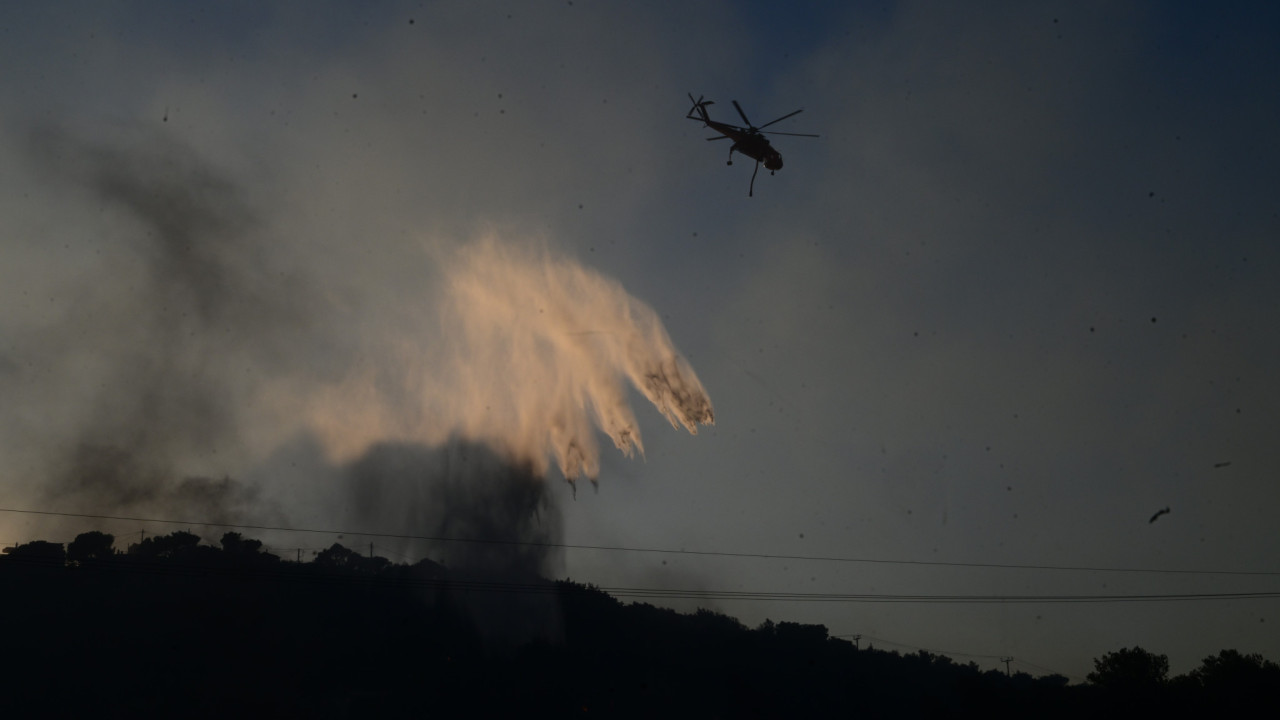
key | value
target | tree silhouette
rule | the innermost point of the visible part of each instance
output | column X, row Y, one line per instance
column 91, row 547
column 235, row 544
column 176, row 545
column 1231, row 671
column 342, row 558
column 245, row 553
column 1130, row 670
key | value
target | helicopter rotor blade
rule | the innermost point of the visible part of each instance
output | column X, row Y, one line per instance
column 744, row 115
column 784, row 117
column 775, row 132
column 719, row 137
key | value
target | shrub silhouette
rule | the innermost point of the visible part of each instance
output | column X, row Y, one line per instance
column 38, row 552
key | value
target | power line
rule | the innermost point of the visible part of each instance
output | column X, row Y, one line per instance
column 179, row 567
column 721, row 595
column 664, row 551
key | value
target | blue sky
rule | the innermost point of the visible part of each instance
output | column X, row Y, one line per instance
column 1020, row 295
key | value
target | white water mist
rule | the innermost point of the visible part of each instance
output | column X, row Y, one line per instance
column 531, row 354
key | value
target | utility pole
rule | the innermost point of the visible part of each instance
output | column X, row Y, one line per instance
column 370, row 551
column 856, row 638
column 1006, row 661
column 299, row 556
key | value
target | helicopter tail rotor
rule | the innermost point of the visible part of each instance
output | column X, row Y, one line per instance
column 699, row 109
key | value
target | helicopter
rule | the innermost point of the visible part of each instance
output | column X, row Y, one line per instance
column 749, row 140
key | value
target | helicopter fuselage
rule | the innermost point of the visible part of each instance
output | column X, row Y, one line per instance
column 752, row 144
column 749, row 140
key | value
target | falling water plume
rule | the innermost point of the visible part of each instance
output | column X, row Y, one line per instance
column 544, row 350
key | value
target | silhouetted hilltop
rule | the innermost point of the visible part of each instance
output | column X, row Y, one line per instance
column 176, row 628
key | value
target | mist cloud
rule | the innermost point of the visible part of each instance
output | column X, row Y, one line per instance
column 525, row 351
column 547, row 347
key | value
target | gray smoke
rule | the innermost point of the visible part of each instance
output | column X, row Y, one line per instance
column 164, row 340
column 193, row 341
column 111, row 479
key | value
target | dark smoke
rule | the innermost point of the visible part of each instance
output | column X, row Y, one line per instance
column 104, row 479
column 183, row 319
column 466, row 490
column 461, row 489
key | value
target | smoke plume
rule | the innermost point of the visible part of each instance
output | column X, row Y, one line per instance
column 198, row 338
column 143, row 386
column 505, row 519
column 459, row 490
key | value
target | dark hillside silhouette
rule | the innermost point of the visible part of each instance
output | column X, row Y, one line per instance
column 173, row 627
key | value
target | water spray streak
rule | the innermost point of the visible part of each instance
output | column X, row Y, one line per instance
column 544, row 348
